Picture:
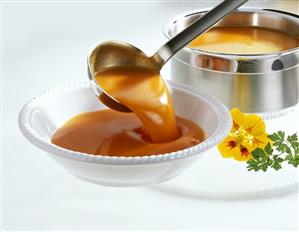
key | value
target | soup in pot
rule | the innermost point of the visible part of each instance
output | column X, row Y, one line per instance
column 244, row 40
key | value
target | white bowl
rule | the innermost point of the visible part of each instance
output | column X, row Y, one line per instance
column 46, row 112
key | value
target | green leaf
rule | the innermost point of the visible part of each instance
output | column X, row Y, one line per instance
column 258, row 153
column 276, row 166
column 281, row 134
column 292, row 138
column 252, row 165
column 268, row 149
column 274, row 137
column 293, row 160
column 295, row 145
column 278, row 160
column 264, row 167
column 283, row 149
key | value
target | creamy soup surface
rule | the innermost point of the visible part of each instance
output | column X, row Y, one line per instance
column 244, row 40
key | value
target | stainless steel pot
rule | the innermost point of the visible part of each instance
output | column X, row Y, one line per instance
column 252, row 83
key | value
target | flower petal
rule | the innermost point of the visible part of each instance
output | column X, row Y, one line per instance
column 238, row 118
column 226, row 146
column 261, row 141
column 254, row 124
column 242, row 155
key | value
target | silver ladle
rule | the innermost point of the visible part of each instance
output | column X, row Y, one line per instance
column 120, row 54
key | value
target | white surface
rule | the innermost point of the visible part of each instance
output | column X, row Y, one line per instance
column 45, row 44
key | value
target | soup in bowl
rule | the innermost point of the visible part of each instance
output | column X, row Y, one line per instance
column 41, row 117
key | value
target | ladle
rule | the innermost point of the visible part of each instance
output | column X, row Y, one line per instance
column 112, row 54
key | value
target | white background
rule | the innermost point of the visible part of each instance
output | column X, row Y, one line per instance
column 45, row 44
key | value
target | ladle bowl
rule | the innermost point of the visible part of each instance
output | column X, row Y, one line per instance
column 110, row 54
column 118, row 54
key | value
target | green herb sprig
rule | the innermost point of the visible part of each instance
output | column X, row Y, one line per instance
column 281, row 149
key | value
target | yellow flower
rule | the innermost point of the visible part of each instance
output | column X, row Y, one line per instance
column 247, row 133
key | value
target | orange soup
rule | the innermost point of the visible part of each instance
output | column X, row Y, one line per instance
column 244, row 40
column 152, row 128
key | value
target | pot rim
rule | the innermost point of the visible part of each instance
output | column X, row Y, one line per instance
column 169, row 23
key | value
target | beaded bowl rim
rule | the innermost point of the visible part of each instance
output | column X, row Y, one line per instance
column 222, row 113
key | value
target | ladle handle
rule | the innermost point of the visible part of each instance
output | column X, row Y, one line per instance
column 198, row 27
